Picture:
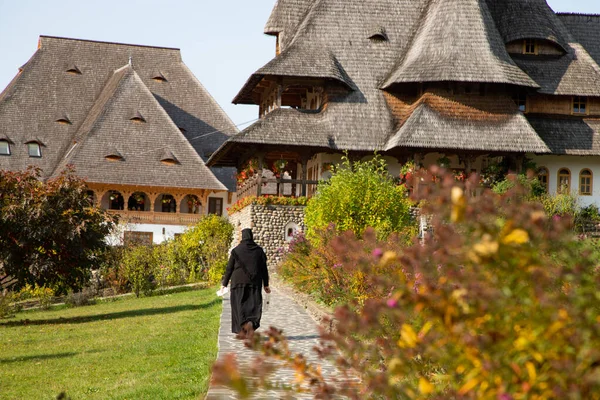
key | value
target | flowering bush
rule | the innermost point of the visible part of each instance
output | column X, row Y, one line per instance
column 266, row 201
column 501, row 303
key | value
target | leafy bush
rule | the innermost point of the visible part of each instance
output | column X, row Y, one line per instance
column 7, row 304
column 83, row 298
column 502, row 303
column 204, row 248
column 49, row 233
column 138, row 267
column 43, row 295
column 359, row 195
column 531, row 185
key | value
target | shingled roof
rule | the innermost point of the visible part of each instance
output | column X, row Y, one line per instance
column 568, row 135
column 390, row 48
column 297, row 61
column 528, row 19
column 142, row 146
column 490, row 123
column 585, row 28
column 285, row 19
column 457, row 41
column 49, row 86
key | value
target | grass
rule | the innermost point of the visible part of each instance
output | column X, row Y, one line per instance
column 158, row 347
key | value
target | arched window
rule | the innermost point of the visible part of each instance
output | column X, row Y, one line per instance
column 564, row 180
column 168, row 204
column 115, row 200
column 138, row 201
column 585, row 182
column 543, row 177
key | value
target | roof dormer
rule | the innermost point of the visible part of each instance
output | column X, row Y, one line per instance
column 168, row 158
column 378, row 34
column 113, row 154
column 137, row 117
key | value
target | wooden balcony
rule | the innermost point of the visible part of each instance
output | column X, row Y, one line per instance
column 159, row 218
column 257, row 186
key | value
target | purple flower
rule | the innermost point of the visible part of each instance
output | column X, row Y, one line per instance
column 335, row 266
column 377, row 253
column 392, row 303
column 505, row 396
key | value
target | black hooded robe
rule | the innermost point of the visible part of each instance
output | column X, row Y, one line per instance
column 247, row 270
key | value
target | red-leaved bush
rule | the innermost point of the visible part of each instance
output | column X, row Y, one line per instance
column 500, row 302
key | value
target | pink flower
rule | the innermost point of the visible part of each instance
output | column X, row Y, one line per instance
column 335, row 266
column 377, row 253
column 392, row 303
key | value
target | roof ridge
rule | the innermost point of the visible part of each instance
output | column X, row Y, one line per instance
column 111, row 43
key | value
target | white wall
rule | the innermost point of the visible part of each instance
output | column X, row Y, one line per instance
column 575, row 164
column 157, row 232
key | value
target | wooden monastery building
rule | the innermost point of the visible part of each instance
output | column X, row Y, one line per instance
column 466, row 80
column 133, row 121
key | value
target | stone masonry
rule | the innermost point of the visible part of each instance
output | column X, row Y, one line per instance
column 268, row 224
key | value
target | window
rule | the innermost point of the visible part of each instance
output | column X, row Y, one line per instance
column 138, row 238
column 34, row 149
column 4, row 148
column 579, row 105
column 543, row 177
column 530, row 46
column 521, row 102
column 215, row 205
column 585, row 182
column 564, row 180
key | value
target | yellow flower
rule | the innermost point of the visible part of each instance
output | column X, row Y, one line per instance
column 485, row 248
column 517, row 236
column 408, row 337
column 424, row 386
column 459, row 204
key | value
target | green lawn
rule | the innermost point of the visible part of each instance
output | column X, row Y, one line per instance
column 149, row 348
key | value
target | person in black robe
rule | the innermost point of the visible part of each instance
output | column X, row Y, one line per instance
column 247, row 270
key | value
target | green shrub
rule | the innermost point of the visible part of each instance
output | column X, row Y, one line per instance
column 502, row 303
column 359, row 195
column 7, row 304
column 204, row 248
column 138, row 267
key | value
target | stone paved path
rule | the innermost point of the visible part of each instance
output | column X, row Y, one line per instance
column 283, row 313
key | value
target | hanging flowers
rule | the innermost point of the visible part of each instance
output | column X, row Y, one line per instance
column 279, row 166
column 247, row 172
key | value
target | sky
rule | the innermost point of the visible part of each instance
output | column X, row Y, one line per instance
column 222, row 42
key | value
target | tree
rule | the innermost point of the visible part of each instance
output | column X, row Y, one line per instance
column 359, row 195
column 50, row 235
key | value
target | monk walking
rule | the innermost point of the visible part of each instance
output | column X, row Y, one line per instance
column 247, row 270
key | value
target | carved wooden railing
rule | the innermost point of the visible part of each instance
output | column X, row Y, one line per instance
column 153, row 217
column 256, row 186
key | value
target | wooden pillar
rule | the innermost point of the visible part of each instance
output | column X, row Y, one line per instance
column 418, row 160
column 304, row 162
column 520, row 163
column 152, row 197
column 261, row 161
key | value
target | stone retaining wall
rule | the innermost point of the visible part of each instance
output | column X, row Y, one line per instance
column 268, row 225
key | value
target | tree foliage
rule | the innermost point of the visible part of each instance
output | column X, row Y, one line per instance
column 359, row 195
column 50, row 235
column 501, row 303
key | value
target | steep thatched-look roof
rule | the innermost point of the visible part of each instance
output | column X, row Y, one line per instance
column 67, row 93
column 285, row 18
column 457, row 41
column 297, row 61
column 490, row 123
column 528, row 19
column 586, row 30
column 461, row 54
column 142, row 146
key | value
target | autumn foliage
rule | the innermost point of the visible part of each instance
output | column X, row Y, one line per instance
column 500, row 302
